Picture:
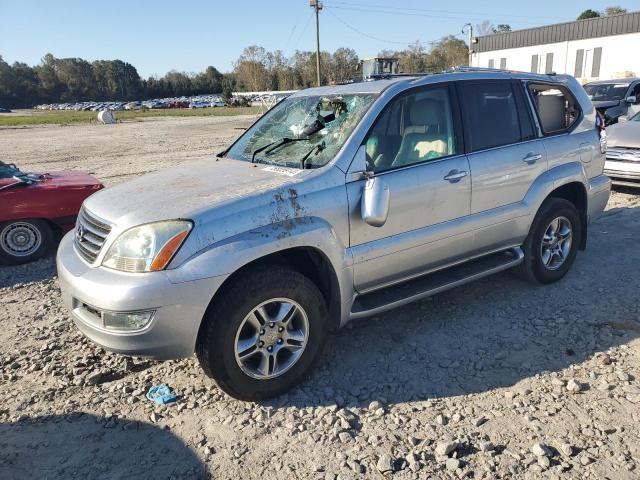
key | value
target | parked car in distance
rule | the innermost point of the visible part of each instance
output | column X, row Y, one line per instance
column 4, row 110
column 37, row 209
column 623, row 152
column 341, row 202
column 615, row 99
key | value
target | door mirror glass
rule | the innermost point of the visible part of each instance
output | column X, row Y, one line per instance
column 632, row 99
column 375, row 202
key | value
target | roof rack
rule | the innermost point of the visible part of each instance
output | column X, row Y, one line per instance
column 466, row 68
column 381, row 76
column 457, row 69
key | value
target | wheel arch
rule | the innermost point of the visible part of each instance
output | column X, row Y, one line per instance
column 307, row 260
column 576, row 193
column 567, row 181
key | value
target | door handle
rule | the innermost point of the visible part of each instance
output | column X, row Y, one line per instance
column 532, row 158
column 455, row 175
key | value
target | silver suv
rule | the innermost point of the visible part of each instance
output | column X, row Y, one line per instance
column 339, row 203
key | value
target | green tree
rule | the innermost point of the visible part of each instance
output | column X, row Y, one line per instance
column 251, row 69
column 447, row 53
column 588, row 14
column 502, row 27
column 344, row 65
column 614, row 10
column 209, row 81
column 413, row 59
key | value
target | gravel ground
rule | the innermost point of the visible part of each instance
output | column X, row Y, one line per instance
column 496, row 379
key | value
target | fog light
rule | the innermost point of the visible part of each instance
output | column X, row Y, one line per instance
column 126, row 320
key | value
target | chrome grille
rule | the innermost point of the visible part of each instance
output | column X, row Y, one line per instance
column 90, row 235
column 623, row 154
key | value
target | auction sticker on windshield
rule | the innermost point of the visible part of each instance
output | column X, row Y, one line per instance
column 290, row 172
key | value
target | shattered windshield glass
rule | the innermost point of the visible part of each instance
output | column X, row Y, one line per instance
column 334, row 116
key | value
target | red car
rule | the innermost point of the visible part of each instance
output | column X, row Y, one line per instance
column 36, row 209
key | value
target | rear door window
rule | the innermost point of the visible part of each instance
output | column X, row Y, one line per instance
column 557, row 109
column 490, row 114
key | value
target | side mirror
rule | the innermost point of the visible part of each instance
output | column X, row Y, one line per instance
column 632, row 99
column 622, row 119
column 374, row 207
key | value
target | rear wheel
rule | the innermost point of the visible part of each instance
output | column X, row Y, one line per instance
column 263, row 333
column 552, row 244
column 23, row 241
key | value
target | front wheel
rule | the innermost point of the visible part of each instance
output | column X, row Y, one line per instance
column 552, row 244
column 23, row 241
column 263, row 333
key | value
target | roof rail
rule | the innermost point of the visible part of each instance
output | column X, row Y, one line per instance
column 457, row 69
column 381, row 76
column 466, row 68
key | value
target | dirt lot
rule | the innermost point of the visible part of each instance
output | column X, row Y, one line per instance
column 497, row 379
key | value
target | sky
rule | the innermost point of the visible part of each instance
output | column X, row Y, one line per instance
column 188, row 35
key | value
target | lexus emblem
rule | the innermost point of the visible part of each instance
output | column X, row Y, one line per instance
column 79, row 232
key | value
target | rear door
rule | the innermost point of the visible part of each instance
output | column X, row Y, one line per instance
column 505, row 157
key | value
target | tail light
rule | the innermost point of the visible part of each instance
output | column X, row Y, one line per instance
column 602, row 130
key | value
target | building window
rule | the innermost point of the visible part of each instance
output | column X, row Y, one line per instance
column 491, row 63
column 597, row 59
column 579, row 63
column 534, row 63
column 588, row 63
column 503, row 64
column 549, row 65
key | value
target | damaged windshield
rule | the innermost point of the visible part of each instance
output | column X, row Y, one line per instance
column 302, row 132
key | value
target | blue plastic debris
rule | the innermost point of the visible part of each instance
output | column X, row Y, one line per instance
column 161, row 394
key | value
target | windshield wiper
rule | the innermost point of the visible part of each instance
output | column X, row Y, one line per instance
column 275, row 145
column 317, row 148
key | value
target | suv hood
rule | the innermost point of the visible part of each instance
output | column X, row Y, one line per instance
column 625, row 134
column 184, row 191
column 606, row 104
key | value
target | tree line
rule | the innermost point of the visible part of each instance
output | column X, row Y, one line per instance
column 59, row 80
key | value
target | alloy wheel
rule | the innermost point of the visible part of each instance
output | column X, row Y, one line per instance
column 556, row 243
column 271, row 338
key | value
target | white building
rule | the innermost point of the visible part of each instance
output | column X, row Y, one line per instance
column 597, row 48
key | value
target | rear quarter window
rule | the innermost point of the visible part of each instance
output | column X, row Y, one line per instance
column 556, row 108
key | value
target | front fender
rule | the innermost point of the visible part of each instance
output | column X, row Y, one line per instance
column 231, row 254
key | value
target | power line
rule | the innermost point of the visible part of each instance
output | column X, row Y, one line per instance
column 413, row 10
column 364, row 34
column 302, row 32
column 435, row 17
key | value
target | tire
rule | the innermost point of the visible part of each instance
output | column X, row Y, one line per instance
column 23, row 241
column 541, row 264
column 228, row 326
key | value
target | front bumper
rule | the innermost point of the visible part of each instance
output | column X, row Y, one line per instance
column 179, row 307
column 622, row 171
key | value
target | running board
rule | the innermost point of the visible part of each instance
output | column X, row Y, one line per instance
column 388, row 298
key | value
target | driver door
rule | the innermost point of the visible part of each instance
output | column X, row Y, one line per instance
column 415, row 148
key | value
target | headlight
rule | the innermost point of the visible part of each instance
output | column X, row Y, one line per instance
column 147, row 248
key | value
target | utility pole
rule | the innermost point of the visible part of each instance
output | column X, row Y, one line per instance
column 317, row 6
column 470, row 29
